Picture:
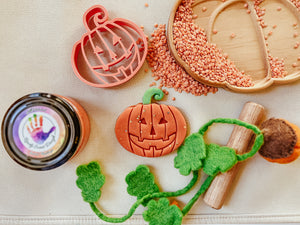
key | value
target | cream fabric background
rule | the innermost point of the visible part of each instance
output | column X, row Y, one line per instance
column 36, row 39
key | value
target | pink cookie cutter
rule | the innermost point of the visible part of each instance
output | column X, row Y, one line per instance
column 111, row 52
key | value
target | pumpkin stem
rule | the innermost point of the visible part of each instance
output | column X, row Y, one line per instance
column 98, row 14
column 153, row 92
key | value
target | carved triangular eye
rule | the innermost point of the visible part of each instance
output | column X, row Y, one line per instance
column 98, row 50
column 116, row 40
column 143, row 121
column 162, row 121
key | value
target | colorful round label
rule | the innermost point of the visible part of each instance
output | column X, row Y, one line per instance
column 39, row 131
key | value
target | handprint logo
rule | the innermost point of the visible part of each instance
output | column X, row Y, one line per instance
column 35, row 129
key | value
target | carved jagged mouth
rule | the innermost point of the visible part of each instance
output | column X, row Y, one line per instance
column 159, row 144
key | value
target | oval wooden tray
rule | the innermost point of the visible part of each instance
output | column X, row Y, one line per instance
column 248, row 50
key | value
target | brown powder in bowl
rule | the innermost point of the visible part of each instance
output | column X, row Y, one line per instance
column 279, row 139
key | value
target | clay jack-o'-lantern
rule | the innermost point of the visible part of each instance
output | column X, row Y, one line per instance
column 111, row 52
column 151, row 129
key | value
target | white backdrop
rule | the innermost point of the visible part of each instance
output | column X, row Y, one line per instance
column 36, row 39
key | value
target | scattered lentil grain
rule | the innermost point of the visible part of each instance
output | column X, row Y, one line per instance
column 296, row 34
column 296, row 3
column 165, row 68
column 277, row 67
column 152, row 84
column 210, row 64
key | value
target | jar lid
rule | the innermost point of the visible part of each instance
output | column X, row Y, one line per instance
column 41, row 131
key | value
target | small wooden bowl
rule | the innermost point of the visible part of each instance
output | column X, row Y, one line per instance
column 253, row 60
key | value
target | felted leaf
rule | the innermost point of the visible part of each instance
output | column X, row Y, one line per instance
column 219, row 159
column 90, row 180
column 190, row 154
column 141, row 182
column 162, row 213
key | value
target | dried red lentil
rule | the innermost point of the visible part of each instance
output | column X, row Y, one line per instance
column 190, row 40
column 212, row 64
column 296, row 3
column 277, row 67
column 215, row 31
column 152, row 84
column 165, row 68
column 296, row 34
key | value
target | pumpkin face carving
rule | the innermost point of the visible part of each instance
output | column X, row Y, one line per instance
column 111, row 52
column 151, row 130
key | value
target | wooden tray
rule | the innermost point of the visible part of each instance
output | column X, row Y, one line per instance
column 248, row 50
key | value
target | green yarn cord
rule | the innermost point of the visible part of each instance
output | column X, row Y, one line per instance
column 145, row 198
column 202, row 189
column 259, row 140
column 153, row 92
column 157, row 94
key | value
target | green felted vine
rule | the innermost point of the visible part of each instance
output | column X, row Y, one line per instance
column 162, row 213
column 90, row 180
column 141, row 183
column 192, row 156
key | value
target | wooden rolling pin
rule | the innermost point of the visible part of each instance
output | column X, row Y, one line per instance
column 239, row 140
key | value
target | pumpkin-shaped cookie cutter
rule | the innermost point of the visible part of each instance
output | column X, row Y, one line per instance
column 259, row 84
column 111, row 52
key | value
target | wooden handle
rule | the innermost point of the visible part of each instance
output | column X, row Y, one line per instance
column 239, row 140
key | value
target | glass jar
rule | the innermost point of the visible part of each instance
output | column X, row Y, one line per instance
column 42, row 131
